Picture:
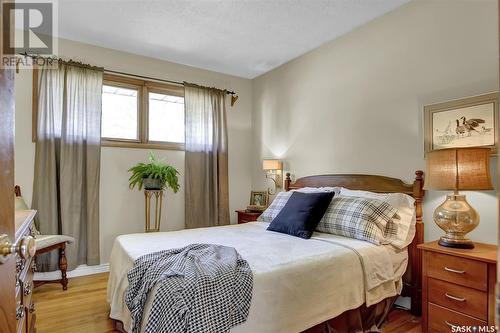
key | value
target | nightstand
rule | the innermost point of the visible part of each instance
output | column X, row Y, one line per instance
column 458, row 286
column 244, row 216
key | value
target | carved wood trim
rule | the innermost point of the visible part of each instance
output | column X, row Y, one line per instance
column 50, row 248
column 63, row 265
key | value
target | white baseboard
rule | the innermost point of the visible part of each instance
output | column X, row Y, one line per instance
column 81, row 270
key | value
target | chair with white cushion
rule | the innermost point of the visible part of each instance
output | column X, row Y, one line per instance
column 47, row 243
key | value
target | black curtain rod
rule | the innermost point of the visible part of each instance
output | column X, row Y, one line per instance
column 25, row 54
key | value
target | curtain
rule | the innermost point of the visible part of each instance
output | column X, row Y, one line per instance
column 67, row 161
column 206, row 169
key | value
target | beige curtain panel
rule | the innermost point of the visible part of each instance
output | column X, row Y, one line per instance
column 67, row 161
column 206, row 171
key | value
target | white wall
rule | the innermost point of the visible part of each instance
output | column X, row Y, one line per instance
column 122, row 210
column 354, row 105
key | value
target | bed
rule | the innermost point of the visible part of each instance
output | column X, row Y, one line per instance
column 299, row 285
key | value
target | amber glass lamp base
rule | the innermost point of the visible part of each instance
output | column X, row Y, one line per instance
column 457, row 218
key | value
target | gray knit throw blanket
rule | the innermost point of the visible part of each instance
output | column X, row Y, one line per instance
column 201, row 288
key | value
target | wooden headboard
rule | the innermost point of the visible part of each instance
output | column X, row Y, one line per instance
column 412, row 279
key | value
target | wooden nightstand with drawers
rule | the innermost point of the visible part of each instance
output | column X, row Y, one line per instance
column 246, row 216
column 458, row 286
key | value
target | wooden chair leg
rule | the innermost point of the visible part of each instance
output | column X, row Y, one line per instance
column 63, row 266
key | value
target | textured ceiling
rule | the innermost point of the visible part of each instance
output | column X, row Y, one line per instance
column 240, row 37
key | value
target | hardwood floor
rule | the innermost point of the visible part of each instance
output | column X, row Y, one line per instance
column 83, row 309
column 402, row 321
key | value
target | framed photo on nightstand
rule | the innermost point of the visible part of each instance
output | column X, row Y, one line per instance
column 259, row 199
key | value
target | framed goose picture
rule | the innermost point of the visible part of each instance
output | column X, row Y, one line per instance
column 468, row 122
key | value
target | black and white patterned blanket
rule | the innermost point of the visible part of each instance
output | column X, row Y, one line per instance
column 201, row 288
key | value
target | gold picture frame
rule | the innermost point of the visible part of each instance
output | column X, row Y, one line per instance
column 259, row 198
column 461, row 123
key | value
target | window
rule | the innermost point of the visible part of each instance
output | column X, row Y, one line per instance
column 119, row 113
column 142, row 114
column 166, row 118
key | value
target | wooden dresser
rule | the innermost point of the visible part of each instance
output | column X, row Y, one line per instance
column 244, row 216
column 25, row 267
column 458, row 287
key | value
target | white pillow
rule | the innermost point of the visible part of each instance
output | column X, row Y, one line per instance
column 282, row 197
column 405, row 206
column 335, row 189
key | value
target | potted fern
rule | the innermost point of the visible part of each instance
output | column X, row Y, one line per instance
column 155, row 175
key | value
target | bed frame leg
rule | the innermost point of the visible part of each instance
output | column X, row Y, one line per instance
column 118, row 326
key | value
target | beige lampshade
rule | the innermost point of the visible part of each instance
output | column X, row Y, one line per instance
column 271, row 165
column 458, row 169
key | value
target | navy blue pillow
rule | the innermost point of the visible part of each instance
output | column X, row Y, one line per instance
column 301, row 213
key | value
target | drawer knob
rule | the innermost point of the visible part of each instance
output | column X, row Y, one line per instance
column 459, row 299
column 453, row 270
column 32, row 308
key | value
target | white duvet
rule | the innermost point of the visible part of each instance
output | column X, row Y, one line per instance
column 298, row 283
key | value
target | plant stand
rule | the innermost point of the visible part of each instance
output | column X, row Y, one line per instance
column 158, row 198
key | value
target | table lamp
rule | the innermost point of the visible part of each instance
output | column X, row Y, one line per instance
column 457, row 169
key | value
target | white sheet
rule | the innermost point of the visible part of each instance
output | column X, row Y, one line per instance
column 297, row 283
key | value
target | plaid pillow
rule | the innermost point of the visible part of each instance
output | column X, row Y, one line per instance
column 361, row 218
column 276, row 206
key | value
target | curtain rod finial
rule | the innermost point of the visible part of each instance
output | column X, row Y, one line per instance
column 234, row 98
